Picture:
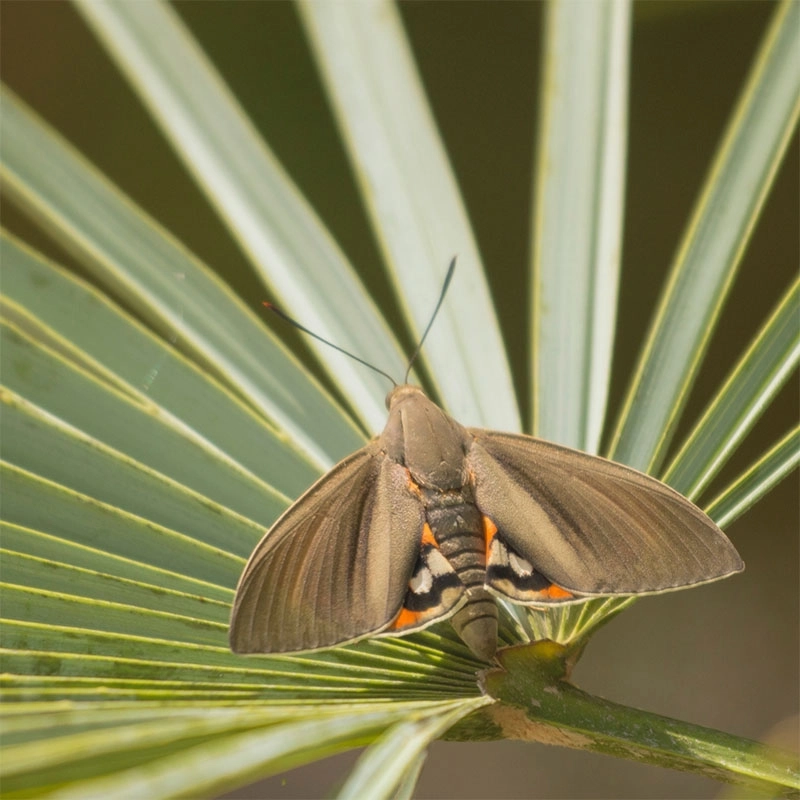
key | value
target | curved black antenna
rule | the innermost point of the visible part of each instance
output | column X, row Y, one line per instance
column 319, row 338
column 325, row 341
column 446, row 283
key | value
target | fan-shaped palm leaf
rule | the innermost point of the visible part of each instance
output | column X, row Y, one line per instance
column 152, row 427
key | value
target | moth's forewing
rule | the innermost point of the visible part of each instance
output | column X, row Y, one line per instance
column 592, row 526
column 336, row 566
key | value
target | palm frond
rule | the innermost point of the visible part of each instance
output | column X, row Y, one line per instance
column 153, row 427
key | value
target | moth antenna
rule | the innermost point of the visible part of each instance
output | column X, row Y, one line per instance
column 285, row 316
column 447, row 278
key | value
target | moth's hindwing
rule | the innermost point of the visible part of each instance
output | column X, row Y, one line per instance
column 589, row 525
column 336, row 566
column 434, row 592
column 515, row 578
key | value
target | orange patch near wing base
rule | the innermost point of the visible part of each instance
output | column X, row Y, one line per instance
column 413, row 486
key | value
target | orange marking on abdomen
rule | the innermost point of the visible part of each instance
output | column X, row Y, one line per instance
column 428, row 537
column 489, row 532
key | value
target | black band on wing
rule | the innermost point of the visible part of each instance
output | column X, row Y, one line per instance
column 512, row 576
column 434, row 591
column 534, row 582
column 430, row 582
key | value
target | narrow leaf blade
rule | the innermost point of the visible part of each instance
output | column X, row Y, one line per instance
column 740, row 177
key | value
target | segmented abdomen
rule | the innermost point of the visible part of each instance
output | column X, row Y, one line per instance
column 457, row 527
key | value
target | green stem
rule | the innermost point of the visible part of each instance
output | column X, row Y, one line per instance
column 538, row 703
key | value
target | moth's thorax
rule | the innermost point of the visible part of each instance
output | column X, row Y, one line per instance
column 424, row 439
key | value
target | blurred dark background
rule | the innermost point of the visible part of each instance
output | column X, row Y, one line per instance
column 724, row 655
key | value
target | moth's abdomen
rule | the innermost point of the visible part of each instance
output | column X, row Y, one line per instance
column 458, row 531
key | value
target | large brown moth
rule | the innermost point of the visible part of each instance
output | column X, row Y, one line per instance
column 432, row 520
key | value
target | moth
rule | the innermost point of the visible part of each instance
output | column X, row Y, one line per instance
column 431, row 521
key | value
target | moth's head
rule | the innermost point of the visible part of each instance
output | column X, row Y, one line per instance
column 403, row 391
